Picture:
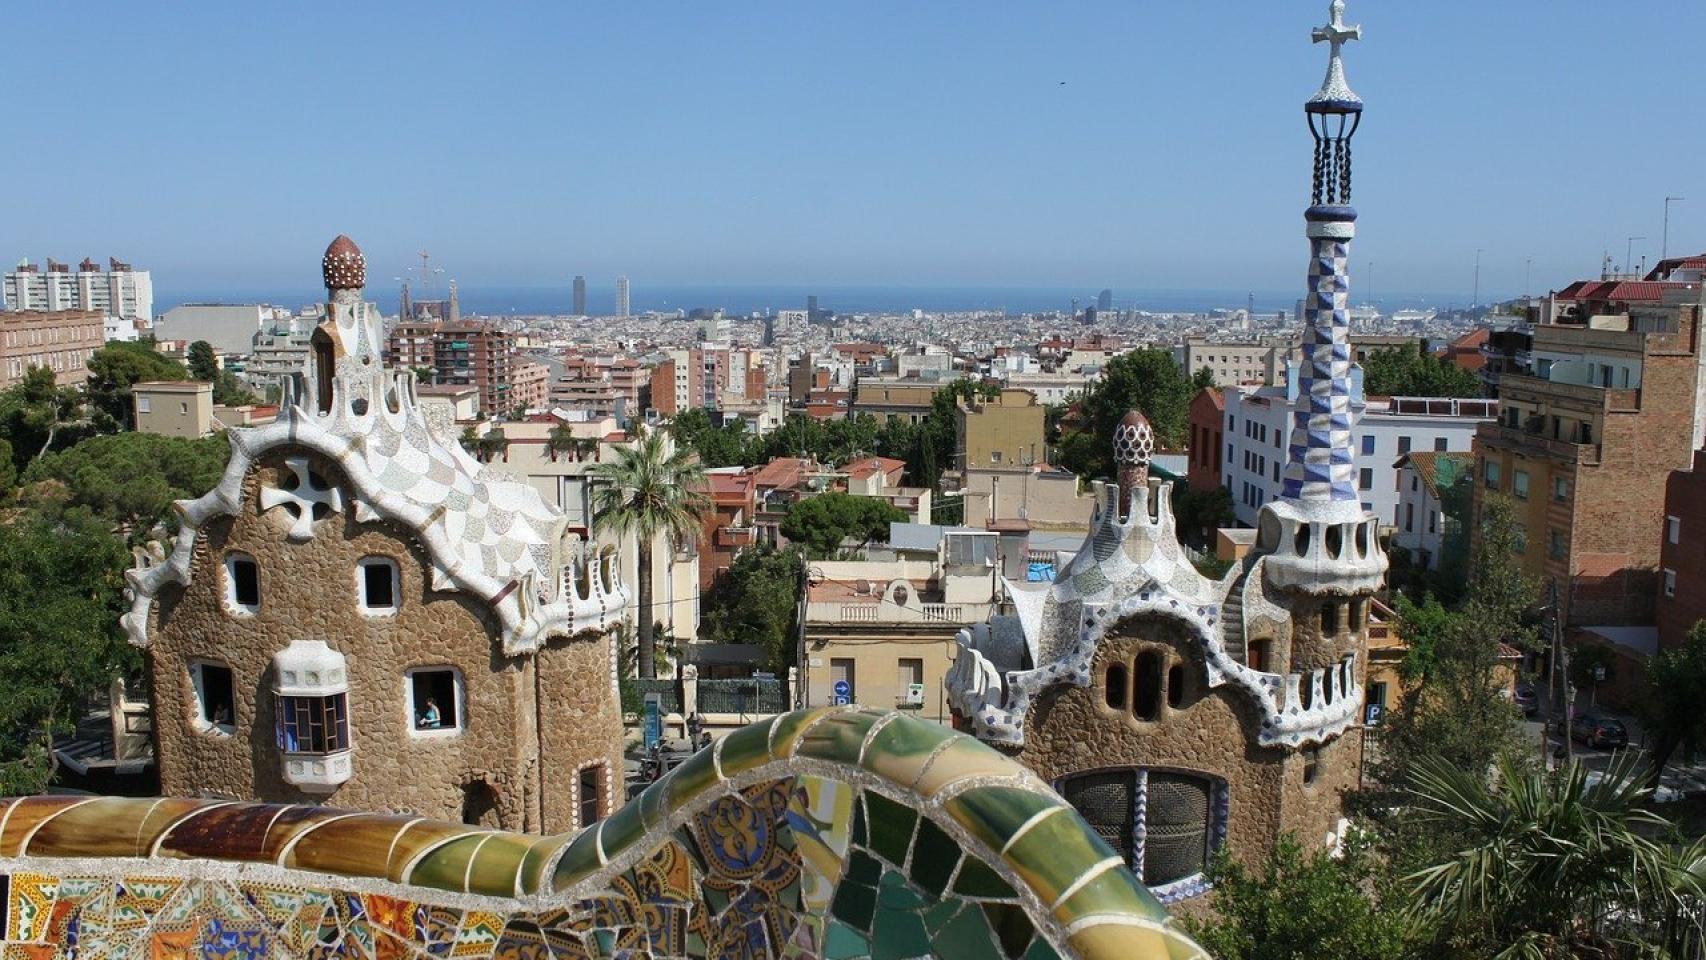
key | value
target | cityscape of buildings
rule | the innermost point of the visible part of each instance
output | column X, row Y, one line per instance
column 1050, row 610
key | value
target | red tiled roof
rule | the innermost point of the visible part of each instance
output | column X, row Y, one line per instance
column 860, row 469
column 1619, row 290
column 1664, row 267
column 781, row 473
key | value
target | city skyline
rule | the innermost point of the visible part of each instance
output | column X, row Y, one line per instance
column 921, row 148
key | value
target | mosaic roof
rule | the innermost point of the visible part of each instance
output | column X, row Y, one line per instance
column 837, row 833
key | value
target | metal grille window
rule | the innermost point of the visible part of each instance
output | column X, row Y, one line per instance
column 313, row 724
column 591, row 787
column 1165, row 824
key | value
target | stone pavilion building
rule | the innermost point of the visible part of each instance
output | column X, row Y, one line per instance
column 1178, row 714
column 361, row 614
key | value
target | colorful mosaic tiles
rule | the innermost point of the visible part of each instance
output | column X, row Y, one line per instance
column 835, row 833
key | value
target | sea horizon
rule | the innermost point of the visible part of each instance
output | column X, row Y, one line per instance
column 744, row 299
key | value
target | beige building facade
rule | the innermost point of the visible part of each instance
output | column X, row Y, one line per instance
column 59, row 340
column 1002, row 433
column 173, row 408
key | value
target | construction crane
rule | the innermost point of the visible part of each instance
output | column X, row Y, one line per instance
column 427, row 272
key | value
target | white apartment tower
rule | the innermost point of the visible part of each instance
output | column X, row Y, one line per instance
column 622, row 296
column 121, row 294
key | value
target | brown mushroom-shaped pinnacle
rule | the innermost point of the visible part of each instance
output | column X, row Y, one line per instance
column 1134, row 440
column 343, row 267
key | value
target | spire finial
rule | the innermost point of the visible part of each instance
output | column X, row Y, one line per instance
column 1335, row 90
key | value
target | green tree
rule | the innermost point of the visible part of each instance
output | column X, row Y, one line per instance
column 36, row 412
column 61, row 594
column 1200, row 513
column 203, row 363
column 1146, row 379
column 1203, row 379
column 1550, row 865
column 1670, row 709
column 649, row 490
column 1298, row 905
column 128, row 480
column 757, row 601
column 1409, row 371
column 824, row 522
column 936, row 442
column 113, row 370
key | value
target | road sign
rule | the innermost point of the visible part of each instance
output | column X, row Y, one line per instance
column 842, row 689
column 839, row 701
column 1374, row 712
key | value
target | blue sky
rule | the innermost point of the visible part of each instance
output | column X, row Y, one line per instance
column 1126, row 144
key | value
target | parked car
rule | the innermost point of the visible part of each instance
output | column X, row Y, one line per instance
column 1598, row 731
column 1527, row 699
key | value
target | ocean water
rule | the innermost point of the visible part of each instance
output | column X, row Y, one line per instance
column 742, row 300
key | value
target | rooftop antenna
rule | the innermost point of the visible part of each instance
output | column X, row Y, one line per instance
column 1476, row 300
column 1629, row 254
column 1664, row 247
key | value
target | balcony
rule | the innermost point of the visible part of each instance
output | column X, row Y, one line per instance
column 736, row 536
column 1501, row 437
column 879, row 611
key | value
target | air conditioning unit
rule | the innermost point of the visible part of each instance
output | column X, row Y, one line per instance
column 915, row 694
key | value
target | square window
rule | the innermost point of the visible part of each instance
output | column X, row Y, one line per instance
column 376, row 586
column 435, row 700
column 1560, row 489
column 215, row 696
column 242, row 583
column 1365, row 479
column 1403, row 445
column 143, row 404
column 1519, row 484
column 1439, row 444
column 1673, row 529
column 317, row 725
column 1368, row 445
column 1670, row 583
column 1490, row 472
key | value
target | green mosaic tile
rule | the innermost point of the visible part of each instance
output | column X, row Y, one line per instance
column 684, row 836
column 891, row 827
column 1041, row 950
column 746, row 749
column 961, row 759
column 694, row 777
column 899, row 750
column 992, row 814
column 786, row 730
column 979, row 879
column 533, row 865
column 838, row 737
column 1112, row 891
column 859, row 836
column 898, row 934
column 578, row 862
column 934, row 855
column 967, row 936
column 854, row 903
column 864, row 868
column 496, row 864
column 446, row 865
column 623, row 828
column 1011, row 927
column 1054, row 852
column 940, row 913
column 894, row 893
column 842, row 943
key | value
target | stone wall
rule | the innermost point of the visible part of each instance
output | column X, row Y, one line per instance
column 308, row 591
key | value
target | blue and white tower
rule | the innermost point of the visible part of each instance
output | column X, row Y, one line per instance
column 1322, row 541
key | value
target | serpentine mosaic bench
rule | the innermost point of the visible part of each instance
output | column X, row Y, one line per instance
column 837, row 833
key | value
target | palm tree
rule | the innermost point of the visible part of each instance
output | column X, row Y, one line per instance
column 650, row 490
column 1553, row 864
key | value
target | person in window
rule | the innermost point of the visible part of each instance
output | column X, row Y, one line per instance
column 222, row 716
column 429, row 718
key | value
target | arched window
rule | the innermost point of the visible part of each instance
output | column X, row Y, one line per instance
column 1146, row 688
column 1115, row 683
column 1257, row 655
column 1329, row 619
column 1176, row 686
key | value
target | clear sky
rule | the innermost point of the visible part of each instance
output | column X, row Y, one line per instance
column 1131, row 144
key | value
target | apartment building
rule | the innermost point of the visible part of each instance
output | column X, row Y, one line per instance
column 885, row 397
column 1587, row 441
column 1420, row 527
column 58, row 340
column 1003, row 432
column 1236, row 363
column 529, row 385
column 1256, row 429
column 121, row 294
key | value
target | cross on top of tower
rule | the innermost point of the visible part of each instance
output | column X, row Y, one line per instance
column 1335, row 91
